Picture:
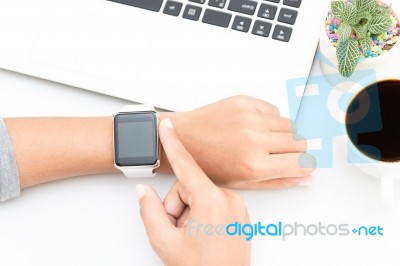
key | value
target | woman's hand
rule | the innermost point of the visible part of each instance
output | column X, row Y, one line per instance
column 176, row 228
column 243, row 142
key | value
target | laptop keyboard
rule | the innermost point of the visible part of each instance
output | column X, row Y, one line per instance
column 256, row 17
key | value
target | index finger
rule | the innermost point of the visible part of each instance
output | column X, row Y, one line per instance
column 184, row 166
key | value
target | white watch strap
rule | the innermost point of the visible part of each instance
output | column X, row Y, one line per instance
column 134, row 173
column 137, row 108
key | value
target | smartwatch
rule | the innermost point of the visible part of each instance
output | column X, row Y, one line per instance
column 136, row 144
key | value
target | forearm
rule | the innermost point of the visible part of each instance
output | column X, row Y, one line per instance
column 48, row 149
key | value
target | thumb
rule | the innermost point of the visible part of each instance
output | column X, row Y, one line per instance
column 159, row 228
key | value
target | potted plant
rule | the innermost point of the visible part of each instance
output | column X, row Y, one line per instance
column 358, row 32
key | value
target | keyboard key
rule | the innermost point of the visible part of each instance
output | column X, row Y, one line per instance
column 242, row 6
column 198, row 1
column 217, row 18
column 275, row 1
column 293, row 3
column 267, row 11
column 287, row 16
column 217, row 3
column 192, row 12
column 282, row 33
column 152, row 5
column 172, row 8
column 261, row 28
column 241, row 24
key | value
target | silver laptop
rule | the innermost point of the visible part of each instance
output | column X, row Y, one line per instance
column 174, row 54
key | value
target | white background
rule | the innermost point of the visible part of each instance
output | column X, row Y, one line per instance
column 94, row 220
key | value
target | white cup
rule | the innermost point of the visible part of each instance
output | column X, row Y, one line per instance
column 388, row 172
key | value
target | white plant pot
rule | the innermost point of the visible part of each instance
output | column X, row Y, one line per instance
column 386, row 62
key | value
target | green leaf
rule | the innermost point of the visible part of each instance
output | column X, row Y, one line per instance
column 380, row 10
column 366, row 5
column 365, row 44
column 363, row 18
column 344, row 31
column 338, row 8
column 347, row 54
column 361, row 30
column 350, row 15
column 379, row 24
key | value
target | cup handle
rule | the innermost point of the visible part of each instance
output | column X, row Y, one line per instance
column 387, row 191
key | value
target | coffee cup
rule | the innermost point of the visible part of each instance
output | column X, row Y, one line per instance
column 370, row 121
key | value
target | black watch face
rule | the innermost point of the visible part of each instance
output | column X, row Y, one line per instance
column 135, row 139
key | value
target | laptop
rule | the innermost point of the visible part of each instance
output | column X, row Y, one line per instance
column 174, row 54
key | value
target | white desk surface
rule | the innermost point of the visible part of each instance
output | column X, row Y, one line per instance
column 94, row 220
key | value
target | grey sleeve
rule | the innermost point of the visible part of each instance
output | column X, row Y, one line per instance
column 9, row 178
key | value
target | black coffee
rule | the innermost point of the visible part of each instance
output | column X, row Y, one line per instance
column 373, row 121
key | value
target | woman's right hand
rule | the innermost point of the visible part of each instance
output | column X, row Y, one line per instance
column 183, row 229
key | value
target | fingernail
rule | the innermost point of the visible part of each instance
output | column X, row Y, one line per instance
column 306, row 184
column 294, row 127
column 307, row 161
column 140, row 190
column 167, row 122
column 298, row 137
